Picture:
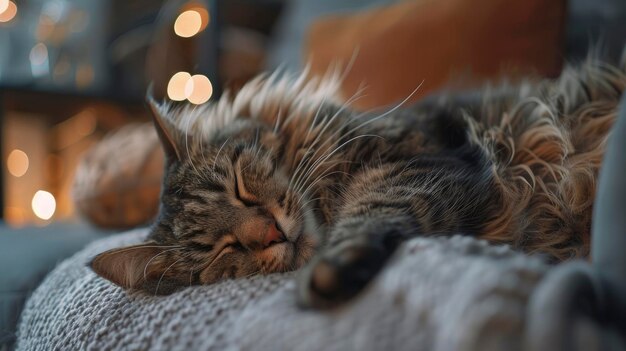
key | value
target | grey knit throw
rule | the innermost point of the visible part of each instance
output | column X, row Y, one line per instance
column 437, row 294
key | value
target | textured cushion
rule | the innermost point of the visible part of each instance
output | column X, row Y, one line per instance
column 436, row 294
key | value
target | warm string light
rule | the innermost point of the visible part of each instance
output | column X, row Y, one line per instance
column 44, row 205
column 188, row 24
column 8, row 10
column 192, row 21
column 197, row 88
column 17, row 163
column 176, row 86
column 4, row 5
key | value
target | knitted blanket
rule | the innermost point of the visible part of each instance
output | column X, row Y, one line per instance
column 453, row 293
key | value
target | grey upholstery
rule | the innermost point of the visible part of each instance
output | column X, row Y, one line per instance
column 26, row 256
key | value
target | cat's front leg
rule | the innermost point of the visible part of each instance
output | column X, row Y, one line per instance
column 356, row 251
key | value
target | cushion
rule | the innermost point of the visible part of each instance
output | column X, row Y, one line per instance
column 453, row 293
column 118, row 181
column 452, row 43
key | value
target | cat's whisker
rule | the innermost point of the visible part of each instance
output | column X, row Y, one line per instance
column 320, row 163
column 329, row 166
column 321, row 177
column 331, row 138
column 156, row 290
column 251, row 274
column 304, row 205
column 325, row 124
column 145, row 268
column 141, row 247
column 219, row 151
column 187, row 143
column 387, row 113
column 312, row 124
column 277, row 123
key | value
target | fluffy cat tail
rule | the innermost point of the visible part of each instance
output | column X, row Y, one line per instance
column 547, row 148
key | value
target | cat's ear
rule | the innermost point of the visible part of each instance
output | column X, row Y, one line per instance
column 166, row 131
column 131, row 267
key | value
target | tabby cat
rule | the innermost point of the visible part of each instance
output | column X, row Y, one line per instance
column 284, row 176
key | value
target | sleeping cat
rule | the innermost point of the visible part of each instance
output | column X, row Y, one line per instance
column 284, row 176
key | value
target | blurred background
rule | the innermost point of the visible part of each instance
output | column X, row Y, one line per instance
column 80, row 158
column 71, row 71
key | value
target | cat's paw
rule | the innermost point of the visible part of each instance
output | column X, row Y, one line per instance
column 339, row 273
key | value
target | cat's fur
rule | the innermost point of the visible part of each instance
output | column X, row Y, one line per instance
column 285, row 174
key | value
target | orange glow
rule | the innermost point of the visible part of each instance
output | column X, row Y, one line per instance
column 86, row 122
column 15, row 216
column 61, row 68
column 191, row 22
column 8, row 10
column 176, row 86
column 44, row 205
column 17, row 163
column 204, row 15
column 84, row 75
column 4, row 5
column 44, row 28
column 198, row 89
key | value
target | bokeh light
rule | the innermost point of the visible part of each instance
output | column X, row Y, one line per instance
column 176, row 86
column 4, row 5
column 84, row 75
column 38, row 54
column 204, row 15
column 44, row 205
column 198, row 89
column 191, row 22
column 15, row 216
column 17, row 163
column 9, row 12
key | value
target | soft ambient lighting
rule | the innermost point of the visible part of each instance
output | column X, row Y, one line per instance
column 4, row 5
column 17, row 163
column 191, row 22
column 8, row 12
column 176, row 86
column 86, row 122
column 38, row 54
column 198, row 89
column 44, row 205
column 84, row 75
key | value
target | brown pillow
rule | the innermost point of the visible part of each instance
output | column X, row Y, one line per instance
column 458, row 43
column 118, row 181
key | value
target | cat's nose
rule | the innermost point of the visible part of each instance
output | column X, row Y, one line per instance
column 273, row 235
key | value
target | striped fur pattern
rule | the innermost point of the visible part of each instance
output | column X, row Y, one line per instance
column 283, row 175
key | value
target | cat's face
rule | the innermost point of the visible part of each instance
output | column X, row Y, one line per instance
column 227, row 210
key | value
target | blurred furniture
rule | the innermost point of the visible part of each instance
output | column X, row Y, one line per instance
column 27, row 255
column 77, row 69
column 118, row 182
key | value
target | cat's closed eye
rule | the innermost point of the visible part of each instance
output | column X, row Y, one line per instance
column 236, row 245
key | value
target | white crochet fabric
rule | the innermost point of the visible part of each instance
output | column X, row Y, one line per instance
column 436, row 294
